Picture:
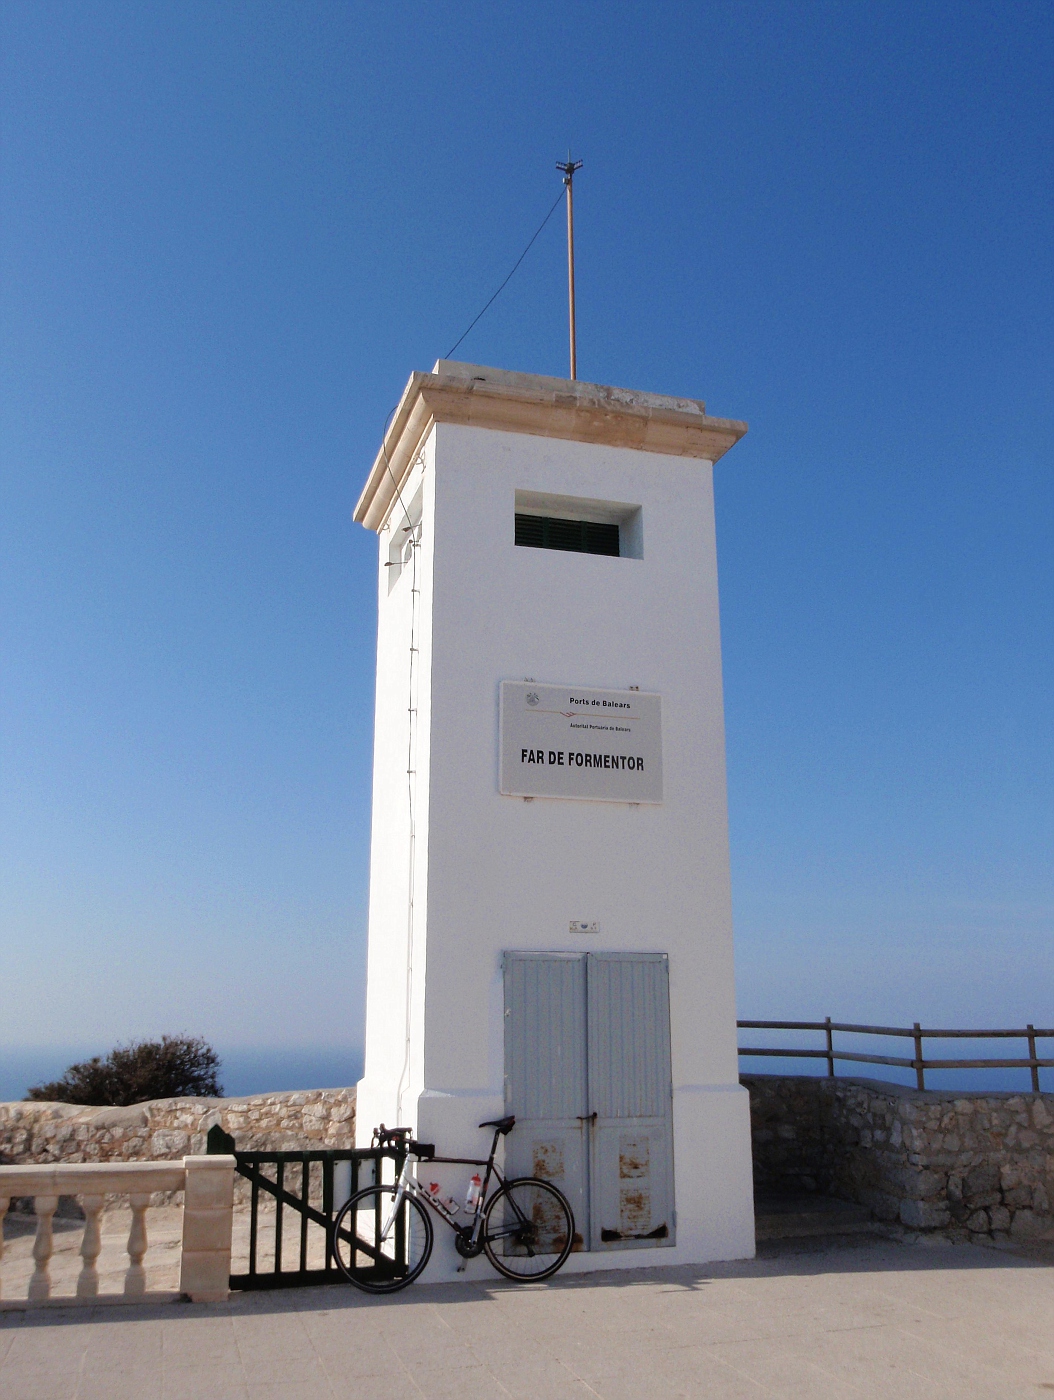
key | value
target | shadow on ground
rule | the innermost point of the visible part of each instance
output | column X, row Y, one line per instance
column 782, row 1259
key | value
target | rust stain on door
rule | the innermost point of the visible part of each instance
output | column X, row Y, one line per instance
column 633, row 1157
column 634, row 1169
column 634, row 1211
column 548, row 1160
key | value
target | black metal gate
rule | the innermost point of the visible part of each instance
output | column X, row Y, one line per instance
column 292, row 1180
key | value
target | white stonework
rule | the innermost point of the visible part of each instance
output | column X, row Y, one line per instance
column 482, row 873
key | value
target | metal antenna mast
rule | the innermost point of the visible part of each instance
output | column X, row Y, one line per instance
column 569, row 167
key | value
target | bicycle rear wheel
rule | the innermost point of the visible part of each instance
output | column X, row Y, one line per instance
column 528, row 1229
column 374, row 1264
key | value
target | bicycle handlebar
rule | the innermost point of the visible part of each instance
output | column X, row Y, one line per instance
column 391, row 1137
column 401, row 1140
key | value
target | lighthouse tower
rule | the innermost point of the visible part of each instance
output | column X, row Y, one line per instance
column 550, row 928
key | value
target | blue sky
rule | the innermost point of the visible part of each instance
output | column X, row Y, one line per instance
column 230, row 233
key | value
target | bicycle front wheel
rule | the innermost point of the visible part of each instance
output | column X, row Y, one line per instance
column 375, row 1258
column 528, row 1229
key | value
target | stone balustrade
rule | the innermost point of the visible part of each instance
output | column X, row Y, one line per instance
column 207, row 1184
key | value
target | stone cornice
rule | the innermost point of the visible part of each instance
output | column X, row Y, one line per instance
column 535, row 404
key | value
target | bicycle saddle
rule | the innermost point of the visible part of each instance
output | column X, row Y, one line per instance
column 503, row 1125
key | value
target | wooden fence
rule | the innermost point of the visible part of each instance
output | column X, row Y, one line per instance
column 917, row 1034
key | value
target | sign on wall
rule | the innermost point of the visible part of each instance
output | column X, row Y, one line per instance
column 571, row 741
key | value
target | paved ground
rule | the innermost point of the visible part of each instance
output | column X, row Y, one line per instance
column 882, row 1320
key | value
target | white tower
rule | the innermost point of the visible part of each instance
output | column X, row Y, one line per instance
column 550, row 918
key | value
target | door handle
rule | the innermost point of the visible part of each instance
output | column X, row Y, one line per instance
column 587, row 1117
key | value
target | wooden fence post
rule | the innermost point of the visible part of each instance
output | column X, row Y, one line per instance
column 920, row 1073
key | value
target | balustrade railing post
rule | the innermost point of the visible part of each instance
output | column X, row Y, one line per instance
column 88, row 1279
column 830, row 1047
column 920, row 1072
column 135, row 1278
column 208, row 1213
column 1033, row 1057
column 40, row 1283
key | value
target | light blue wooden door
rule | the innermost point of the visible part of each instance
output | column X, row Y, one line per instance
column 545, row 1075
column 587, row 1073
column 630, row 1092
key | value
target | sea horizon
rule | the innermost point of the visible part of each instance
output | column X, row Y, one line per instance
column 246, row 1070
column 243, row 1069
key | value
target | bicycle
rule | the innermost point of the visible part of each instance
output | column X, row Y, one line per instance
column 382, row 1237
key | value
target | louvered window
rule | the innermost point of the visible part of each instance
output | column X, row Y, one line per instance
column 577, row 536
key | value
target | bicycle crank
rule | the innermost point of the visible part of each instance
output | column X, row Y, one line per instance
column 464, row 1245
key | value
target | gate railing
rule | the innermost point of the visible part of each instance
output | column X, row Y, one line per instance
column 312, row 1185
column 916, row 1034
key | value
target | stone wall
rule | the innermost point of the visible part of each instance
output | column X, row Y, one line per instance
column 966, row 1166
column 164, row 1129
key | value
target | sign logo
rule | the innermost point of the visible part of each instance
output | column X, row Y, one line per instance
column 532, row 697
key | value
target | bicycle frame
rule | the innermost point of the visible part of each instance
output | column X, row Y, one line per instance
column 525, row 1225
column 408, row 1185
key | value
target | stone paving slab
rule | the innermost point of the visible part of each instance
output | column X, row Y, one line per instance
column 879, row 1322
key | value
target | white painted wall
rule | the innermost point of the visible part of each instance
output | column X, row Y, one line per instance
column 394, row 1067
column 495, row 873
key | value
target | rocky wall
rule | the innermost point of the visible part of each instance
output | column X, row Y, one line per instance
column 164, row 1129
column 967, row 1166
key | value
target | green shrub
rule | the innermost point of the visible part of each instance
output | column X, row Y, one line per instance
column 174, row 1067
